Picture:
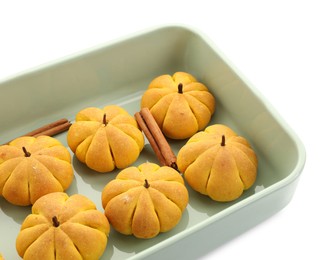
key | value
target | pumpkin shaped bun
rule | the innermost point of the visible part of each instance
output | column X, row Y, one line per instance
column 31, row 167
column 63, row 227
column 145, row 200
column 105, row 138
column 218, row 163
column 180, row 105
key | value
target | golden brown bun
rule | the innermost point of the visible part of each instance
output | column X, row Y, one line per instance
column 63, row 227
column 45, row 167
column 145, row 200
column 102, row 147
column 220, row 171
column 179, row 115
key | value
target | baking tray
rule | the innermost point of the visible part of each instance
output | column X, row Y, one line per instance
column 119, row 72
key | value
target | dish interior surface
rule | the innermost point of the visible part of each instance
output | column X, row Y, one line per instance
column 119, row 73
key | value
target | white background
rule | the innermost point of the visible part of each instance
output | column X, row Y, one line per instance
column 285, row 48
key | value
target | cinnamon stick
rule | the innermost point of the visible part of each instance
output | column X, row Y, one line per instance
column 54, row 130
column 150, row 138
column 156, row 138
column 50, row 129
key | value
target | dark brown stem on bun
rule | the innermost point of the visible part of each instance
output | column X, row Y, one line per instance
column 223, row 142
column 26, row 153
column 104, row 120
column 146, row 183
column 180, row 88
column 55, row 221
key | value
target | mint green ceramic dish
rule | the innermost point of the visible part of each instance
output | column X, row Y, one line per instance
column 118, row 73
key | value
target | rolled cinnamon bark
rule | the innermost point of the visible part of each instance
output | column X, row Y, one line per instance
column 156, row 138
column 50, row 129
